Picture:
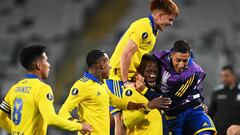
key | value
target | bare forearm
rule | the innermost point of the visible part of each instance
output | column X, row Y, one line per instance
column 125, row 63
column 126, row 57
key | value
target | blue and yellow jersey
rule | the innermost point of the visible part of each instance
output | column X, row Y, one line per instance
column 143, row 34
column 92, row 100
column 140, row 122
column 29, row 104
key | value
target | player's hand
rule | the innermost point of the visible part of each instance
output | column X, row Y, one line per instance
column 139, row 83
column 139, row 77
column 160, row 103
column 140, row 86
column 86, row 128
column 233, row 130
column 129, row 85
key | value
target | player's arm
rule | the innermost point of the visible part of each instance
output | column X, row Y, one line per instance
column 76, row 95
column 5, row 113
column 120, row 103
column 45, row 105
column 125, row 60
column 5, row 122
column 134, row 43
column 151, row 94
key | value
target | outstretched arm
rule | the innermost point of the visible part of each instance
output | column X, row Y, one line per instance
column 45, row 104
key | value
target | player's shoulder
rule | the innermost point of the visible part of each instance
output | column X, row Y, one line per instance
column 82, row 82
column 84, row 79
column 142, row 20
column 142, row 23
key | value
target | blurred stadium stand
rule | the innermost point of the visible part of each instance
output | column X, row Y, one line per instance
column 71, row 28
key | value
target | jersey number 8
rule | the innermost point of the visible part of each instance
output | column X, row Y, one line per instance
column 17, row 111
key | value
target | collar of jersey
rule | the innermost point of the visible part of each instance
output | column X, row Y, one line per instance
column 92, row 77
column 31, row 76
column 152, row 24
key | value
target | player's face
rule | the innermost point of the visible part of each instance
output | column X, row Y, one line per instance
column 180, row 61
column 227, row 78
column 150, row 73
column 44, row 66
column 105, row 65
column 164, row 20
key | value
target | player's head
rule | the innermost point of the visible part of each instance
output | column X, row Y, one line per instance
column 98, row 59
column 180, row 55
column 149, row 69
column 227, row 75
column 34, row 59
column 164, row 12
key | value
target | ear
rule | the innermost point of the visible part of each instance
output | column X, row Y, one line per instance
column 101, row 65
column 38, row 65
column 171, row 55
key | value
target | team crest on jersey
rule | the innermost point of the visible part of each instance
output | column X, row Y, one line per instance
column 50, row 96
column 144, row 35
column 128, row 93
column 75, row 91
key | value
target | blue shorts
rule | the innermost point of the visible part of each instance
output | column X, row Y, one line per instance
column 116, row 87
column 192, row 121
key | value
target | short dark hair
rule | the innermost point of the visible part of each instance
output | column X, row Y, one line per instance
column 30, row 54
column 167, row 5
column 94, row 56
column 182, row 46
column 145, row 59
column 228, row 67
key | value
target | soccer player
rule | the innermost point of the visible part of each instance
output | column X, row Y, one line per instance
column 92, row 97
column 138, row 40
column 29, row 102
column 181, row 81
column 142, row 122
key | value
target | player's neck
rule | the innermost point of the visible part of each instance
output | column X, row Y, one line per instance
column 35, row 73
column 97, row 73
column 154, row 20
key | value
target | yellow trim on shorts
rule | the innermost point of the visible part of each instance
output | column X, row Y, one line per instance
column 206, row 129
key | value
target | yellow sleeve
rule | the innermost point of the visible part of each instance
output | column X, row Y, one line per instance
column 77, row 94
column 5, row 122
column 117, row 102
column 138, row 31
column 133, row 117
column 45, row 105
column 5, row 112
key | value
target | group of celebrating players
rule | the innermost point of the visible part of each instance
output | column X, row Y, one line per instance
column 149, row 94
